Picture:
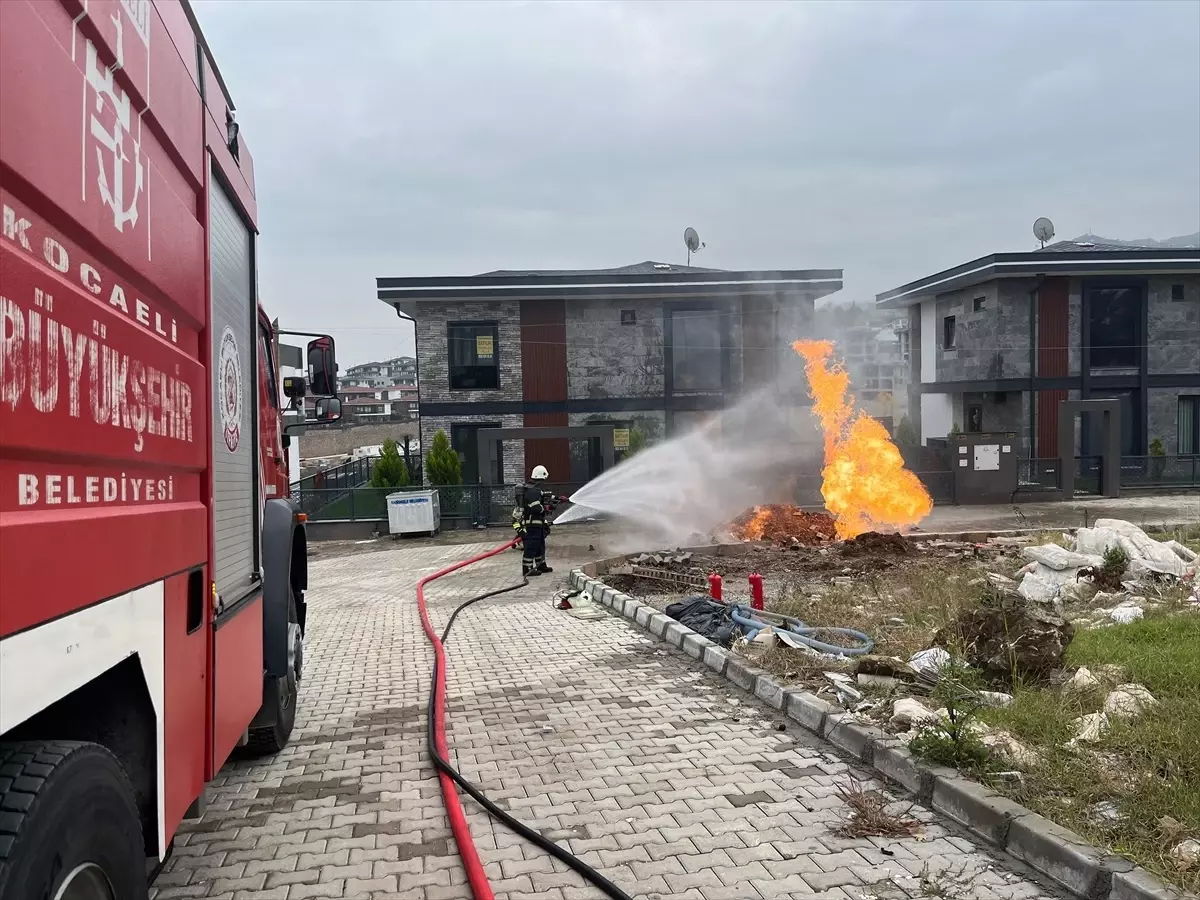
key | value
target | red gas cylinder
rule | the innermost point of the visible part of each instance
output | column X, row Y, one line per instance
column 714, row 586
column 756, row 591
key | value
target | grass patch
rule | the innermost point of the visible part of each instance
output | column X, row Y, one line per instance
column 900, row 610
column 1141, row 771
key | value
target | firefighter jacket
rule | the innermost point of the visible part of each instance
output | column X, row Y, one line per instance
column 534, row 505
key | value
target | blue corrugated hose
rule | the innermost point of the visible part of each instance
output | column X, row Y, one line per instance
column 753, row 621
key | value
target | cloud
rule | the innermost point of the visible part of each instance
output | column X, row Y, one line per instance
column 887, row 139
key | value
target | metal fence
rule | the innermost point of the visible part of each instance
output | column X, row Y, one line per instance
column 313, row 492
column 343, row 494
column 1160, row 471
column 462, row 505
column 1036, row 475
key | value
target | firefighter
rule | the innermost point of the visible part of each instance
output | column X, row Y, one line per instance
column 534, row 504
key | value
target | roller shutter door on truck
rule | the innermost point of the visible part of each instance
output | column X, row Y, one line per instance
column 235, row 481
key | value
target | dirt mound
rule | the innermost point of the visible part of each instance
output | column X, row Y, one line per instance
column 784, row 525
column 873, row 542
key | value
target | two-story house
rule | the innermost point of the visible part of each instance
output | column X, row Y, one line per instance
column 653, row 346
column 998, row 342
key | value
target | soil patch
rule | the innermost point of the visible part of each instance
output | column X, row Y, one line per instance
column 873, row 542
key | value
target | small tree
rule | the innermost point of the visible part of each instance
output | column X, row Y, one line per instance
column 390, row 470
column 442, row 464
column 1158, row 459
column 637, row 442
column 906, row 433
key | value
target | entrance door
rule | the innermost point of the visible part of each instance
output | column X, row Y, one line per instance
column 464, row 438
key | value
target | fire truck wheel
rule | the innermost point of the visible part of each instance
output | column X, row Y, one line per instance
column 281, row 693
column 69, row 824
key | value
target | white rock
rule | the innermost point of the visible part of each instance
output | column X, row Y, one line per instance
column 1077, row 591
column 1186, row 855
column 1082, row 681
column 1106, row 600
column 908, row 711
column 1090, row 728
column 996, row 699
column 1123, row 615
column 930, row 661
column 1009, row 749
column 843, row 684
column 1041, row 585
column 1129, row 701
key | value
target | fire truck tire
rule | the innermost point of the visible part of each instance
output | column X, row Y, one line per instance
column 280, row 694
column 69, row 824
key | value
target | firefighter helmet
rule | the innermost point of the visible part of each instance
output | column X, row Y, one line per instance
column 540, row 473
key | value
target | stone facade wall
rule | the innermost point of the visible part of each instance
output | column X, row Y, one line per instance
column 1074, row 318
column 605, row 359
column 1010, row 416
column 991, row 343
column 608, row 359
column 1162, row 416
column 1174, row 326
column 316, row 442
column 433, row 353
column 513, row 452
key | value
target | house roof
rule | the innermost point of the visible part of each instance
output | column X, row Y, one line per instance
column 649, row 267
column 1068, row 258
column 647, row 279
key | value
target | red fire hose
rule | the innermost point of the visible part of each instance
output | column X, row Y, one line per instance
column 476, row 877
column 450, row 777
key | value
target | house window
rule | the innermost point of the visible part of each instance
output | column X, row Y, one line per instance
column 980, row 304
column 628, row 317
column 1188, row 425
column 697, row 357
column 948, row 333
column 1114, row 326
column 474, row 356
column 1177, row 292
column 905, row 345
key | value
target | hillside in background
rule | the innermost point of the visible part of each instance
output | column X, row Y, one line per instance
column 1187, row 241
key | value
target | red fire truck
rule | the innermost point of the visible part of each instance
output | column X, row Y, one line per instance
column 152, row 567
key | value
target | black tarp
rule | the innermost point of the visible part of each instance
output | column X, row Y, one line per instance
column 705, row 616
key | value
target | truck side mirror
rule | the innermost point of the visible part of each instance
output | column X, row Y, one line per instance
column 329, row 409
column 322, row 367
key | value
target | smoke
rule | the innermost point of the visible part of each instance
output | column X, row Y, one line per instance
column 758, row 451
column 769, row 448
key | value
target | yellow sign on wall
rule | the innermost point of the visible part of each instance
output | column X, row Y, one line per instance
column 484, row 346
column 620, row 438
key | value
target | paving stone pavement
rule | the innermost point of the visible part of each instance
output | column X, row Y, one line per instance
column 668, row 780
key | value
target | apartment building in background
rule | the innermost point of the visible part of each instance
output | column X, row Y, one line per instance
column 396, row 372
column 652, row 346
column 998, row 342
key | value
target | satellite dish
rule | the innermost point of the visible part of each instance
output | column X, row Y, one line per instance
column 1043, row 230
column 691, row 240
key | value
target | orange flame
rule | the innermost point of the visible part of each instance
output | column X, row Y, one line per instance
column 864, row 482
column 757, row 526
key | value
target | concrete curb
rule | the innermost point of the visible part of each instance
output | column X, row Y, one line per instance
column 1061, row 855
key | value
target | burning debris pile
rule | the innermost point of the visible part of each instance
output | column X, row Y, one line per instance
column 784, row 525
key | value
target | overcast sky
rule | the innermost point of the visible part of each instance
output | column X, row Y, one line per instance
column 887, row 139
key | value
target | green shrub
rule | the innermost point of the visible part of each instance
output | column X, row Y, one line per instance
column 390, row 470
column 442, row 464
column 906, row 433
